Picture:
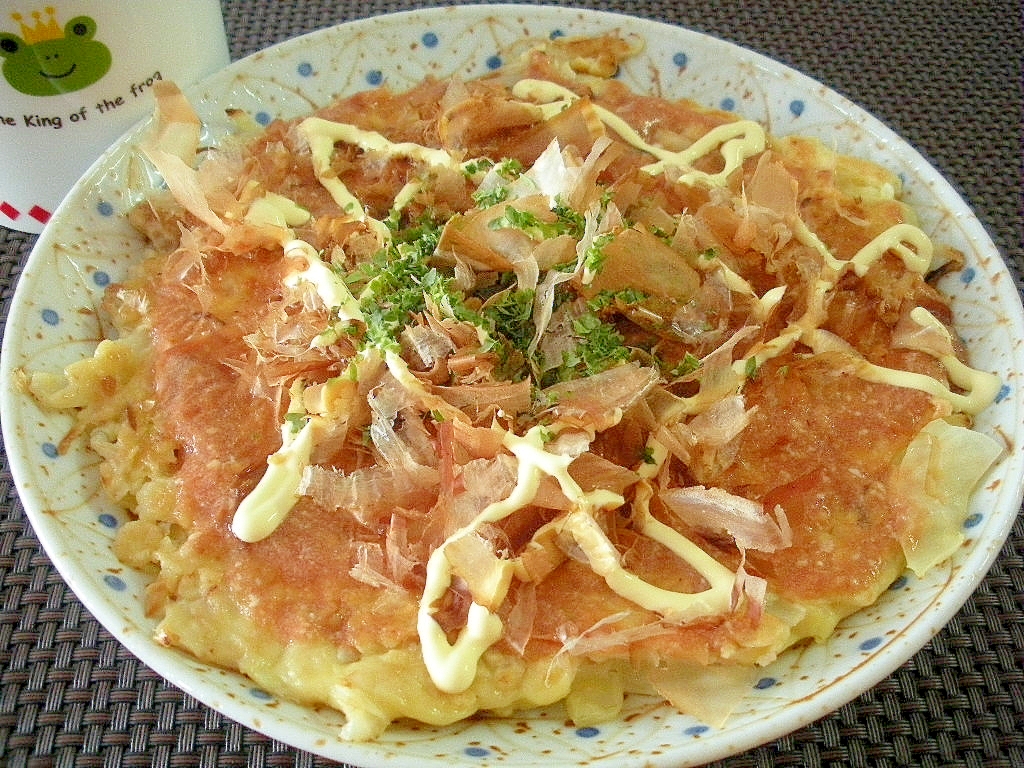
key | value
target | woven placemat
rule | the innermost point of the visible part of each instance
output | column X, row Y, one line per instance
column 946, row 76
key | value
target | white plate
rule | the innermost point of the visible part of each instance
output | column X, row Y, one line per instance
column 88, row 244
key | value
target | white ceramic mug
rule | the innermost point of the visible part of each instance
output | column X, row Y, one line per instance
column 76, row 74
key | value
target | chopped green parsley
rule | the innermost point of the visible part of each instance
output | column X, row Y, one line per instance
column 686, row 366
column 599, row 346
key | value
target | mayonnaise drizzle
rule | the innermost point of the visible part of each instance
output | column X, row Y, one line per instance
column 605, row 561
column 915, row 249
column 321, row 139
column 896, row 239
column 269, row 503
column 321, row 135
column 329, row 285
column 453, row 666
column 276, row 210
column 980, row 387
column 324, row 134
column 735, row 141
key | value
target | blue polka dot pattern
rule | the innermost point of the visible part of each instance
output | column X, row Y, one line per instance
column 50, row 317
column 476, row 752
column 796, row 107
column 967, row 275
column 765, row 682
column 263, row 118
column 587, row 733
column 305, row 69
column 107, row 521
column 680, row 60
column 870, row 644
column 375, row 77
column 430, row 39
column 696, row 730
column 103, row 208
column 1004, row 392
column 728, row 104
column 494, row 62
column 115, row 582
column 49, row 450
column 974, row 520
column 101, row 278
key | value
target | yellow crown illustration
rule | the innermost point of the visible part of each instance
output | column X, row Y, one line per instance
column 43, row 30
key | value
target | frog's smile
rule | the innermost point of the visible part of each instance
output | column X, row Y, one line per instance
column 58, row 77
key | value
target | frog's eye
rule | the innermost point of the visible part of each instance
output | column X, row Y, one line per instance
column 9, row 44
column 83, row 27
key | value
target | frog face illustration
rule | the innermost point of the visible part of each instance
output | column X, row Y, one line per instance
column 46, row 61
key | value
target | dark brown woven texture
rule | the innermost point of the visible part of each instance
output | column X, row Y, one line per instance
column 946, row 76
